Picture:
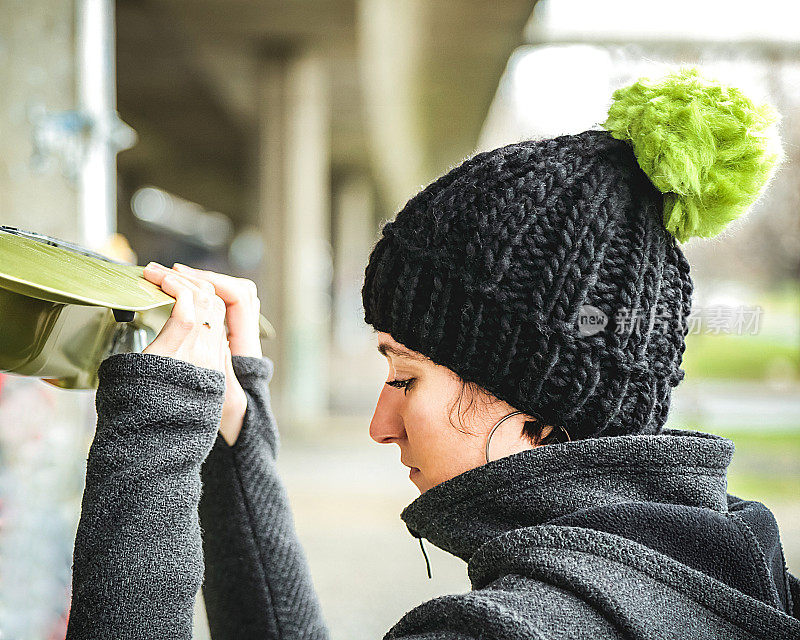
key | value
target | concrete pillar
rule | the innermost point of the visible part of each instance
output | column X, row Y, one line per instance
column 44, row 431
column 389, row 44
column 294, row 215
column 354, row 205
column 354, row 343
column 38, row 71
column 97, row 99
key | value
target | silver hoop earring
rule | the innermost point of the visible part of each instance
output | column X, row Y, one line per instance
column 491, row 433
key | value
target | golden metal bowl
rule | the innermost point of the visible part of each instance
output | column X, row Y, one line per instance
column 64, row 309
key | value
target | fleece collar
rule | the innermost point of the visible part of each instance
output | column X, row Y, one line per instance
column 540, row 485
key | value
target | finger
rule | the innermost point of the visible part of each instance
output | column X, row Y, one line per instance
column 206, row 285
column 208, row 306
column 231, row 289
column 180, row 324
column 211, row 338
column 184, row 310
column 156, row 273
column 217, row 333
column 204, row 294
column 204, row 307
column 242, row 303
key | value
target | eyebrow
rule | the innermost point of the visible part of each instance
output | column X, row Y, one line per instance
column 384, row 349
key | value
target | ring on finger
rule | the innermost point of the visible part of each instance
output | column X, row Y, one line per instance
column 206, row 324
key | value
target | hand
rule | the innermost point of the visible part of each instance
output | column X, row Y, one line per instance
column 235, row 404
column 195, row 331
column 242, row 308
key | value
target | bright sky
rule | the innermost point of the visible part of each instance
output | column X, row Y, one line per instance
column 724, row 20
column 565, row 86
column 559, row 89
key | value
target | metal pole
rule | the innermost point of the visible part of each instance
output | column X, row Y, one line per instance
column 97, row 99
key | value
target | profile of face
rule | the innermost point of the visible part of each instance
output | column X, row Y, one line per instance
column 439, row 436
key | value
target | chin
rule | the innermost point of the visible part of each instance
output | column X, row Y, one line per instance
column 415, row 477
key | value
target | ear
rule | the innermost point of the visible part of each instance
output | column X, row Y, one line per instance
column 538, row 433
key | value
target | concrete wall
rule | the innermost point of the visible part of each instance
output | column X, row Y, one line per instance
column 44, row 432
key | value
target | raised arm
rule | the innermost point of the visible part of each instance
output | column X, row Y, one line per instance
column 138, row 561
column 257, row 582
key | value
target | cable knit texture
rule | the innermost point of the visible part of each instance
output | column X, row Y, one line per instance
column 485, row 272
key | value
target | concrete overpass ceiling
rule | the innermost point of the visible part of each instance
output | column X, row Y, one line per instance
column 466, row 45
column 187, row 72
column 230, row 36
column 304, row 21
column 430, row 71
column 188, row 141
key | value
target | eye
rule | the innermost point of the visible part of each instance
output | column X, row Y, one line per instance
column 405, row 385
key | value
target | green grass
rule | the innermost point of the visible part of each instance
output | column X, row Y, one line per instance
column 766, row 464
column 783, row 298
column 740, row 357
column 773, row 351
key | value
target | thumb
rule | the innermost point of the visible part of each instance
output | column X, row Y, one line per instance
column 177, row 327
column 235, row 405
column 229, row 373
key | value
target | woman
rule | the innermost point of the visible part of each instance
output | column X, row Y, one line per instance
column 513, row 278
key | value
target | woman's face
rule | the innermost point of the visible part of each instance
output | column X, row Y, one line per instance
column 416, row 415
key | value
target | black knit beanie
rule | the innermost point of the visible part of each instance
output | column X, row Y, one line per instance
column 494, row 269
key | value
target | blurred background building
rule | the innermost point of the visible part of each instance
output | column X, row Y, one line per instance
column 270, row 140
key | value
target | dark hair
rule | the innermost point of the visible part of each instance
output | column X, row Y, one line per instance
column 532, row 429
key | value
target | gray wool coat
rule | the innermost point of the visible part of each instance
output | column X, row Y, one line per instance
column 615, row 537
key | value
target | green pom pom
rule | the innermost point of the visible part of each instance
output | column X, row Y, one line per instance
column 706, row 146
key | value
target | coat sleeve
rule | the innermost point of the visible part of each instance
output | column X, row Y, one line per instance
column 257, row 582
column 794, row 589
column 137, row 562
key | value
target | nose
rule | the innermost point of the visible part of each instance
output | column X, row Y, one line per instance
column 387, row 425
